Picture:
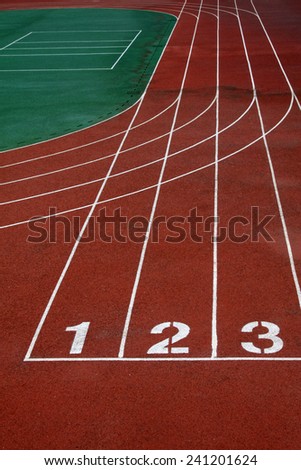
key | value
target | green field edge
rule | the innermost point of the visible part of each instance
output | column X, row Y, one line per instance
column 126, row 105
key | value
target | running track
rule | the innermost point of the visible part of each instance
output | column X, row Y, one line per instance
column 217, row 129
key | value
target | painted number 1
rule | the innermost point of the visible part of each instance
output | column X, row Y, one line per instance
column 81, row 331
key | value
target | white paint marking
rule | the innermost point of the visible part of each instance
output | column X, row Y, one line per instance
column 14, row 42
column 81, row 331
column 214, row 336
column 58, row 54
column 124, row 52
column 88, row 31
column 164, row 346
column 63, row 47
column 50, row 70
column 271, row 335
column 160, row 359
column 62, row 41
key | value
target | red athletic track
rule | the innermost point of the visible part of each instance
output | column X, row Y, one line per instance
column 236, row 404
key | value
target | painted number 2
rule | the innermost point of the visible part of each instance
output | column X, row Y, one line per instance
column 271, row 334
column 163, row 347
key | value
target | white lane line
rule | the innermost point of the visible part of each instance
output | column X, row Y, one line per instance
column 58, row 54
column 147, row 188
column 277, row 57
column 156, row 198
column 51, row 48
column 273, row 175
column 95, row 203
column 125, row 51
column 214, row 335
column 159, row 359
column 14, row 42
column 75, row 41
column 50, row 70
column 88, row 31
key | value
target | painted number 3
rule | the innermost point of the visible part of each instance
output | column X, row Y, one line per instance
column 271, row 335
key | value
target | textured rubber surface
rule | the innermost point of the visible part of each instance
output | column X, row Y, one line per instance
column 240, row 399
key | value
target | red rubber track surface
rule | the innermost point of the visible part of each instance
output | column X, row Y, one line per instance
column 238, row 403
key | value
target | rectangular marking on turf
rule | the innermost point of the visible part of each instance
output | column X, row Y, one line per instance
column 70, row 48
column 88, row 31
column 75, row 41
column 64, row 47
column 54, row 70
column 75, row 53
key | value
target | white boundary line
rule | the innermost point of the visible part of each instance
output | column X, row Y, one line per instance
column 158, row 189
column 125, row 51
column 75, row 41
column 49, row 70
column 88, row 31
column 14, row 42
column 214, row 337
column 271, row 166
column 65, row 47
column 65, row 55
column 161, row 359
column 60, row 280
